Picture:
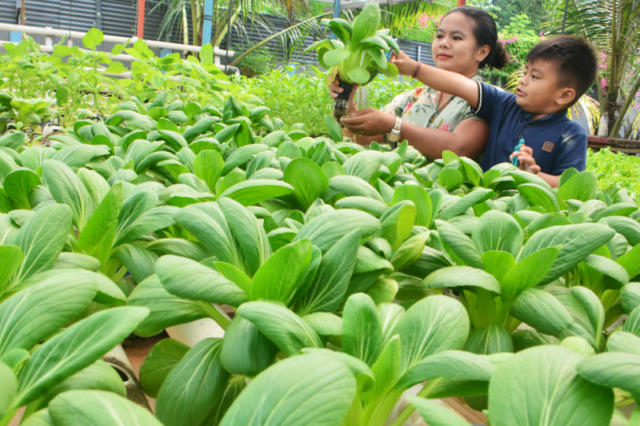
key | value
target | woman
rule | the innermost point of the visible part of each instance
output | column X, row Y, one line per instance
column 466, row 41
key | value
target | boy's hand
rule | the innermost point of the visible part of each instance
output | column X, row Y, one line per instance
column 369, row 122
column 405, row 64
column 525, row 159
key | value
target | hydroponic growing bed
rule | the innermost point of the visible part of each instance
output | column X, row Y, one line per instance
column 342, row 276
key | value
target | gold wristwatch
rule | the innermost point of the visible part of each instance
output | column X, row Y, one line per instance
column 393, row 137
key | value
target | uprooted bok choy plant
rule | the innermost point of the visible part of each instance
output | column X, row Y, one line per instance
column 358, row 54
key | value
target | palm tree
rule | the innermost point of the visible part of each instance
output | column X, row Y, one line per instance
column 613, row 26
column 225, row 14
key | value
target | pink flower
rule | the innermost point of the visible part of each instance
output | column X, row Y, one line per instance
column 603, row 83
column 603, row 66
column 511, row 40
column 409, row 106
column 445, row 126
column 423, row 20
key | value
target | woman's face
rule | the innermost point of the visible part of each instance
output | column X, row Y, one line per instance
column 455, row 47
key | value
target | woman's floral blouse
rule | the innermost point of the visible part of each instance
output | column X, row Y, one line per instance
column 420, row 107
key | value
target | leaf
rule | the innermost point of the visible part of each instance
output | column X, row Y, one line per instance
column 191, row 280
column 450, row 178
column 18, row 185
column 67, row 188
column 194, row 386
column 165, row 309
column 608, row 267
column 420, row 199
column 307, row 179
column 41, row 243
column 436, row 414
column 98, row 235
column 10, row 261
column 592, row 307
column 325, row 230
column 280, row 276
column 528, row 272
column 581, row 186
column 364, row 164
column 410, row 251
column 575, row 242
column 632, row 323
column 613, row 369
column 451, row 364
column 92, row 38
column 9, row 388
column 630, row 294
column 366, row 204
column 361, row 328
column 334, row 128
column 626, row 226
column 331, row 282
column 462, row 276
column 140, row 262
column 538, row 195
column 245, row 350
column 498, row 263
column 630, row 261
column 254, row 191
column 248, row 232
column 97, row 376
column 397, row 222
column 75, row 348
column 491, row 339
column 541, row 310
column 207, row 222
column 80, row 407
column 324, row 323
column 164, row 356
column 353, row 186
column 459, row 245
column 363, row 373
column 463, row 203
column 540, row 385
column 306, row 389
column 37, row 312
column 434, row 324
column 497, row 231
column 208, row 166
column 623, row 341
column 284, row 328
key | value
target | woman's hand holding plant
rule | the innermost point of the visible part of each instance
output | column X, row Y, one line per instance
column 369, row 122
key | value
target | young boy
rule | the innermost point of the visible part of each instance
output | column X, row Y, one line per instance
column 559, row 70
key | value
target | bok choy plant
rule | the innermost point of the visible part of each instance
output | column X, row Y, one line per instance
column 358, row 54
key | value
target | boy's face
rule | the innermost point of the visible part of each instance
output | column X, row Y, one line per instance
column 539, row 90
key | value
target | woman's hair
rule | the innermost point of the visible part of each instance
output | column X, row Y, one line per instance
column 485, row 32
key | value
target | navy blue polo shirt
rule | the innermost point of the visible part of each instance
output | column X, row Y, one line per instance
column 558, row 143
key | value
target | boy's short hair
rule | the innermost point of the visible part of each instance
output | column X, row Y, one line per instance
column 576, row 59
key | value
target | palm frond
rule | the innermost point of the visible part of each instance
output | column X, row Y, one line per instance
column 400, row 16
